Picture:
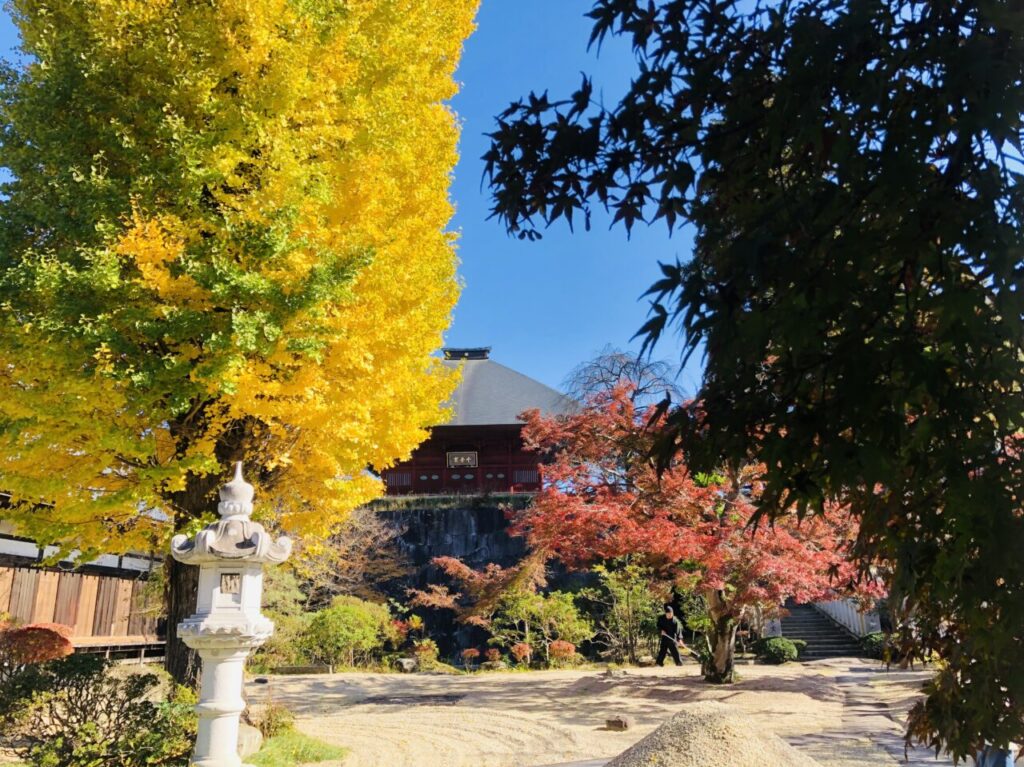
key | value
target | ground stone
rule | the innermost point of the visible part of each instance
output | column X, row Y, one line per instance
column 711, row 734
column 250, row 740
column 619, row 722
column 406, row 665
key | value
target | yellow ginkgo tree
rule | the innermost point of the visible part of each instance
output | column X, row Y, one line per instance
column 223, row 235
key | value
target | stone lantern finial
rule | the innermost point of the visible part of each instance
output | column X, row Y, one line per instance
column 236, row 496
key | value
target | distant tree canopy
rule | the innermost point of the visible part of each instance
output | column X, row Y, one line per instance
column 649, row 380
column 852, row 174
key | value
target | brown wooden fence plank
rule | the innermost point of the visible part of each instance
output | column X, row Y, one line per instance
column 86, row 606
column 23, row 594
column 137, row 620
column 6, row 583
column 122, row 607
column 69, row 591
column 46, row 597
column 106, row 606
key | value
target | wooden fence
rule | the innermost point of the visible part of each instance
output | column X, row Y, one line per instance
column 103, row 610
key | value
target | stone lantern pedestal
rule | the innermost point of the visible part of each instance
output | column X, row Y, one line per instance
column 228, row 624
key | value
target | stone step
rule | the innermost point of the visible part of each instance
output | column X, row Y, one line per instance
column 824, row 638
column 816, row 630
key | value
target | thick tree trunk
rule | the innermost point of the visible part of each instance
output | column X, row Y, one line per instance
column 199, row 496
column 181, row 662
column 720, row 666
column 186, row 505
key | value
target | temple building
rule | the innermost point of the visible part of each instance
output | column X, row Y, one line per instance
column 480, row 450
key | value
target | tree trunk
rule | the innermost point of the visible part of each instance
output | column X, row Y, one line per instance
column 181, row 662
column 720, row 667
column 182, row 585
column 198, row 496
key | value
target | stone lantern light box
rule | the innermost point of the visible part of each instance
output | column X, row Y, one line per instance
column 228, row 624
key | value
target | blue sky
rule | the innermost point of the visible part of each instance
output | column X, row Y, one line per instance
column 543, row 306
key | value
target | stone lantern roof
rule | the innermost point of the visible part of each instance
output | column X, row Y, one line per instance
column 234, row 536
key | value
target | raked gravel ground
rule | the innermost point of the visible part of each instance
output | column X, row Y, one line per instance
column 841, row 712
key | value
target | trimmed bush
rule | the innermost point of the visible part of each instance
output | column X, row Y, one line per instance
column 284, row 647
column 876, row 645
column 34, row 643
column 777, row 650
column 800, row 646
column 348, row 632
column 21, row 648
column 521, row 651
column 562, row 651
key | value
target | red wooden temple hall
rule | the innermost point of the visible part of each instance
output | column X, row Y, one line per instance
column 480, row 450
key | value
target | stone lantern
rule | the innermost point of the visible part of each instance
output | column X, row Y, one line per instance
column 228, row 624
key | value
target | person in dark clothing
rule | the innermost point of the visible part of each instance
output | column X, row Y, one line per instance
column 671, row 632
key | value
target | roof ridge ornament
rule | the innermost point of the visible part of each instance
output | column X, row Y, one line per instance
column 466, row 352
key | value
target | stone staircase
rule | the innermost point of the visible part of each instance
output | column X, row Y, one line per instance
column 825, row 639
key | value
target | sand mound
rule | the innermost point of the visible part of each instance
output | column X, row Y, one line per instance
column 710, row 734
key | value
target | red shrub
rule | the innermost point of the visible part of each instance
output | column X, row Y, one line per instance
column 34, row 643
column 561, row 650
column 400, row 629
column 493, row 655
column 521, row 652
column 469, row 655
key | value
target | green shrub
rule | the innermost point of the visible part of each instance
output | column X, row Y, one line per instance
column 426, row 653
column 348, row 632
column 83, row 713
column 284, row 647
column 876, row 645
column 625, row 611
column 800, row 646
column 777, row 650
column 538, row 620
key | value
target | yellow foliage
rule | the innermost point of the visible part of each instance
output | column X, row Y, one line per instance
column 247, row 256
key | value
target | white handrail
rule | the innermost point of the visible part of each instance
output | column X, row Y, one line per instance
column 846, row 613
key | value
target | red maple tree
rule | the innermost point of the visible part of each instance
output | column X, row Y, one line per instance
column 604, row 498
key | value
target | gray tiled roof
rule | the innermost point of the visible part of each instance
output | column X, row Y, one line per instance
column 491, row 394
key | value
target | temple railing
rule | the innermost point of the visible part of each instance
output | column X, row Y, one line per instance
column 847, row 614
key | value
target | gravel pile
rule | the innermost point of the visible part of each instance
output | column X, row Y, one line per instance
column 710, row 734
